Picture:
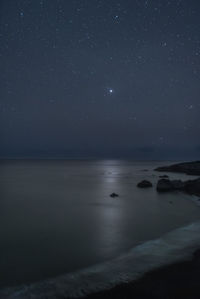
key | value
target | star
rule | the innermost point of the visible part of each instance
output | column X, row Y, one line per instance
column 110, row 90
column 164, row 44
column 191, row 107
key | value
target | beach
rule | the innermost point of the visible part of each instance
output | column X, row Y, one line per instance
column 179, row 280
column 138, row 231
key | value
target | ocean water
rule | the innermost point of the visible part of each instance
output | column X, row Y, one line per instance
column 56, row 216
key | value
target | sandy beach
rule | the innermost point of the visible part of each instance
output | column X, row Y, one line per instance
column 179, row 280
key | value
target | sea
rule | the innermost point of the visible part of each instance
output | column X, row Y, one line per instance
column 57, row 216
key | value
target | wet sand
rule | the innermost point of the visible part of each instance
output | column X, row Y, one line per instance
column 132, row 275
column 180, row 280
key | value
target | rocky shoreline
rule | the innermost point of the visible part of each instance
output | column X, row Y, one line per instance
column 179, row 280
column 164, row 184
column 190, row 168
column 191, row 187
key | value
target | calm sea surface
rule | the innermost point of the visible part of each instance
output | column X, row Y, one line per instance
column 56, row 216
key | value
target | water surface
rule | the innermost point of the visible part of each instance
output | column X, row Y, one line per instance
column 56, row 216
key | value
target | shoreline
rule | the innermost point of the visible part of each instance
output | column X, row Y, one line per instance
column 167, row 267
column 177, row 280
column 107, row 278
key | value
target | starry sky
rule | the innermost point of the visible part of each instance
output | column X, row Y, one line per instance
column 100, row 78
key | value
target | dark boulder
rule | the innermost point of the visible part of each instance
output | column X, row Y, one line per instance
column 178, row 184
column 114, row 195
column 144, row 184
column 193, row 187
column 164, row 176
column 190, row 187
column 165, row 185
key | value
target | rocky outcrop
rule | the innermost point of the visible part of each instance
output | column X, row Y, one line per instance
column 164, row 176
column 114, row 195
column 165, row 185
column 144, row 184
column 191, row 186
column 191, row 168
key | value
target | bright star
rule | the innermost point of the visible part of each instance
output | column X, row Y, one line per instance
column 110, row 90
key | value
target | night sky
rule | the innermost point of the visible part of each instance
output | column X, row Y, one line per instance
column 100, row 78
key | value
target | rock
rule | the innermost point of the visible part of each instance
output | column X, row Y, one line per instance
column 163, row 176
column 196, row 254
column 191, row 168
column 144, row 184
column 114, row 195
column 190, row 187
column 178, row 184
column 164, row 185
